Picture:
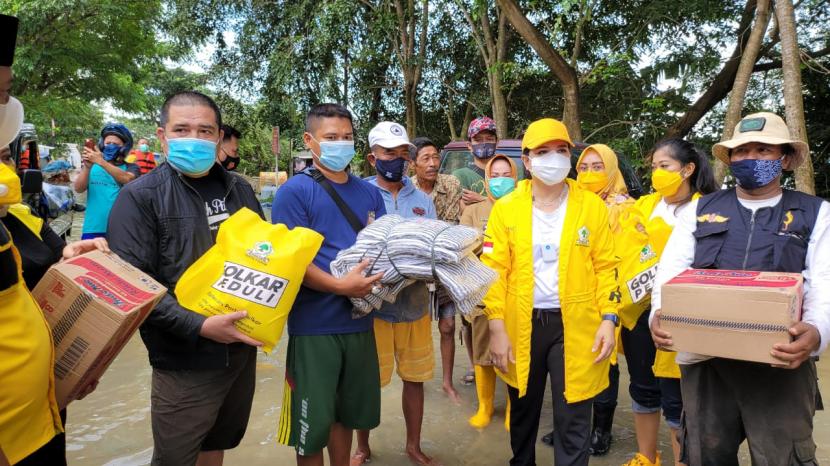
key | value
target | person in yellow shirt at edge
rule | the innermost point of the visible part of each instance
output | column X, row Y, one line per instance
column 500, row 178
column 598, row 171
column 680, row 172
column 552, row 310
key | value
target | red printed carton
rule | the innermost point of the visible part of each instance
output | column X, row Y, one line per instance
column 734, row 314
column 94, row 303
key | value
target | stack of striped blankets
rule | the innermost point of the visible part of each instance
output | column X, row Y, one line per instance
column 417, row 249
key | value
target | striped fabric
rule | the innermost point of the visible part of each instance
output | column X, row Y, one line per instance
column 418, row 249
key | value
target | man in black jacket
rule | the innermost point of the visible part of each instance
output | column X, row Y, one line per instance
column 203, row 367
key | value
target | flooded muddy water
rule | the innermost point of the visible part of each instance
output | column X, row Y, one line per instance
column 112, row 426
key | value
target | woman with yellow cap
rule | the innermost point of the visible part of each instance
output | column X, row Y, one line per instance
column 552, row 311
column 680, row 173
column 598, row 171
column 500, row 176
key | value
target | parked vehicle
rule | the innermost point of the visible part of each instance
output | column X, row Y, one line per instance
column 455, row 155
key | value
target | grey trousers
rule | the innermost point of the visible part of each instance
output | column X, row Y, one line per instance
column 727, row 401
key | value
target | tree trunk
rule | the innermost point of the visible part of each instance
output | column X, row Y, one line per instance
column 411, row 107
column 412, row 62
column 722, row 83
column 793, row 99
column 468, row 118
column 742, row 78
column 499, row 105
column 564, row 73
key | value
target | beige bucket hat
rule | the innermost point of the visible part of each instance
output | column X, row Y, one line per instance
column 764, row 127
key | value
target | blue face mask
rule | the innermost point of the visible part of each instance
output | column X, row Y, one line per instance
column 336, row 155
column 111, row 151
column 501, row 186
column 191, row 156
column 391, row 170
column 754, row 174
column 485, row 150
column 144, row 148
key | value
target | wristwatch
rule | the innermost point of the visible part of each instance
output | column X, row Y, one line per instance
column 613, row 318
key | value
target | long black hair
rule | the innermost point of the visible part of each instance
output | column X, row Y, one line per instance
column 703, row 178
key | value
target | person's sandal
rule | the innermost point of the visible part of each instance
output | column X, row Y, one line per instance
column 469, row 378
column 359, row 458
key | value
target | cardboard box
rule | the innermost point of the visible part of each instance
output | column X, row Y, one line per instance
column 94, row 303
column 734, row 314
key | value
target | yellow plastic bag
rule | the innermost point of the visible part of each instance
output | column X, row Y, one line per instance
column 255, row 267
column 639, row 246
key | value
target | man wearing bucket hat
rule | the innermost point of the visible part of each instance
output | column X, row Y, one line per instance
column 767, row 228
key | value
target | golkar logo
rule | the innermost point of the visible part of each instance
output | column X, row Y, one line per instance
column 647, row 253
column 583, row 237
column 251, row 285
column 261, row 251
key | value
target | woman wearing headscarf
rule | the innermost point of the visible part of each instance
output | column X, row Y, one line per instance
column 500, row 178
column 598, row 171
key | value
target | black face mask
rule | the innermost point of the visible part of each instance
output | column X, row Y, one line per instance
column 391, row 170
column 230, row 163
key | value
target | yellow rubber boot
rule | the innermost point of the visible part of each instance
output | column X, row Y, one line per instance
column 640, row 460
column 486, row 391
column 507, row 416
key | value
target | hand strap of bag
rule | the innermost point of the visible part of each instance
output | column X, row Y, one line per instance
column 347, row 212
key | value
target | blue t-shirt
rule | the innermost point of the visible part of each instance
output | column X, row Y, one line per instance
column 101, row 194
column 302, row 202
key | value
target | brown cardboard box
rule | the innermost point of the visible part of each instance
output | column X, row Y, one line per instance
column 730, row 313
column 93, row 303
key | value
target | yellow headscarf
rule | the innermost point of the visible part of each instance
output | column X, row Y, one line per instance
column 616, row 183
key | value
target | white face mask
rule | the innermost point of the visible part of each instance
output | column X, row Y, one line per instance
column 551, row 168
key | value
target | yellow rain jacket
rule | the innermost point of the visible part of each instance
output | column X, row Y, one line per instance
column 587, row 284
column 29, row 415
column 659, row 232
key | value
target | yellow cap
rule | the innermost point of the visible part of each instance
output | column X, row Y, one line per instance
column 543, row 131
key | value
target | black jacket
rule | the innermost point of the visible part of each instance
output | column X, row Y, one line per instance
column 159, row 224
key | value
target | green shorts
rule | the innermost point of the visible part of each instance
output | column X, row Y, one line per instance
column 328, row 379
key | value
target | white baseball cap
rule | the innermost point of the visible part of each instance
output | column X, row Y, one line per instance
column 389, row 135
column 11, row 120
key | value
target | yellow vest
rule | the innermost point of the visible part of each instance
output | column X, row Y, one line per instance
column 664, row 362
column 587, row 284
column 29, row 415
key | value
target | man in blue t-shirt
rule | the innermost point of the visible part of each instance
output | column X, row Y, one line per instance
column 403, row 329
column 103, row 173
column 332, row 377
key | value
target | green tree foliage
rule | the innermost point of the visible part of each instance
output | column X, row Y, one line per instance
column 75, row 55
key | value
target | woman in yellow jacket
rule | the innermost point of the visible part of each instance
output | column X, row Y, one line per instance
column 553, row 310
column 28, row 411
column 680, row 172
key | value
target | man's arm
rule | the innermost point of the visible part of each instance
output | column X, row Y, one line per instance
column 120, row 176
column 811, row 335
column 133, row 236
